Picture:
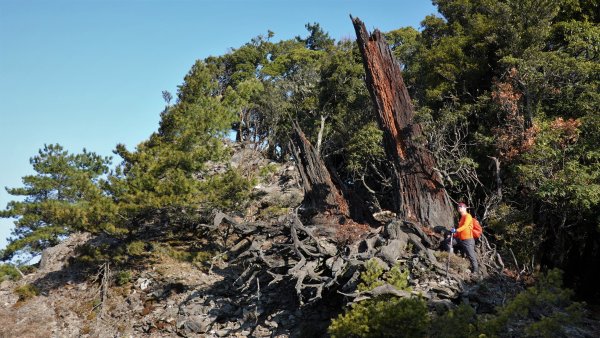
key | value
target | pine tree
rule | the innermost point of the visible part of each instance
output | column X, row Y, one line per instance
column 65, row 195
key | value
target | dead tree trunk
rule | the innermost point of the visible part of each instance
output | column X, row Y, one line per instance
column 320, row 193
column 419, row 192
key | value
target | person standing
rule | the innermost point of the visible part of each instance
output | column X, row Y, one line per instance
column 464, row 236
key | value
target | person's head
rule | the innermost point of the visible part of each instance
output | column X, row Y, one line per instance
column 462, row 208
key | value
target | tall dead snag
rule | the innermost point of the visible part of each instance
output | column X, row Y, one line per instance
column 419, row 192
column 320, row 193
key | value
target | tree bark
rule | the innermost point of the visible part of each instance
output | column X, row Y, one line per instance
column 419, row 192
column 320, row 193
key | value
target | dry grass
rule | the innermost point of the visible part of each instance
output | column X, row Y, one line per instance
column 27, row 320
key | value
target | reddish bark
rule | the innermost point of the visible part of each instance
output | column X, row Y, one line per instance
column 419, row 193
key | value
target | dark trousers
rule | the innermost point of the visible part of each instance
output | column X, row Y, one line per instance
column 468, row 247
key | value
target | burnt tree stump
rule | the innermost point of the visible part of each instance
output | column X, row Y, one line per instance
column 419, row 192
column 320, row 192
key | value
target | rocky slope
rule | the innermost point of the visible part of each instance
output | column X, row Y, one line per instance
column 268, row 273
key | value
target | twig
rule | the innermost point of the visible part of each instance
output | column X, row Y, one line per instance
column 257, row 300
column 104, row 286
column 516, row 263
column 19, row 271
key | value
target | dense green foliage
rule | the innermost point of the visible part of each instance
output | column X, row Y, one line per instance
column 507, row 92
column 383, row 316
column 370, row 277
column 26, row 291
column 458, row 323
column 543, row 310
column 65, row 195
column 392, row 317
column 165, row 179
column 374, row 276
column 9, row 272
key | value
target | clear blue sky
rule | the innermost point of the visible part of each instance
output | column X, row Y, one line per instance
column 89, row 74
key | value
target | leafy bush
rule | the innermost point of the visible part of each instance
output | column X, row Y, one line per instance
column 457, row 323
column 456, row 262
column 26, row 291
column 202, row 257
column 398, row 278
column 364, row 148
column 370, row 277
column 373, row 277
column 94, row 255
column 383, row 317
column 191, row 256
column 273, row 211
column 27, row 269
column 514, row 229
column 123, row 277
column 136, row 248
column 9, row 272
column 543, row 310
column 228, row 191
column 64, row 196
column 267, row 171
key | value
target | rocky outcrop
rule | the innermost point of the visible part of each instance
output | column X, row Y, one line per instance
column 271, row 273
column 55, row 258
column 269, row 282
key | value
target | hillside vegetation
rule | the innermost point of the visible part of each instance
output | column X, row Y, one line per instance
column 507, row 93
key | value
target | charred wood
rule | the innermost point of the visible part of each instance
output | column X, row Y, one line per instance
column 321, row 194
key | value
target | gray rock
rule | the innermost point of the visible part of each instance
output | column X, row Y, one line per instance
column 56, row 257
column 394, row 230
column 198, row 324
column 392, row 251
column 272, row 324
column 169, row 314
column 246, row 156
column 5, row 285
column 227, row 309
column 222, row 333
column 143, row 283
column 352, row 275
column 431, row 256
column 441, row 306
column 368, row 245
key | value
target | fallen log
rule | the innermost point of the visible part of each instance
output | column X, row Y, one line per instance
column 381, row 290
